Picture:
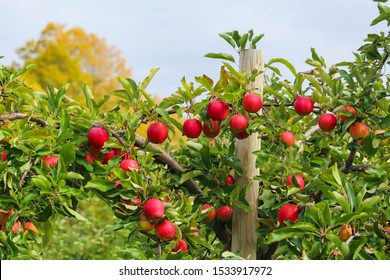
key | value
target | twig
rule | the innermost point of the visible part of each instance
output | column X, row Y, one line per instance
column 24, row 175
column 19, row 116
column 208, row 250
column 307, row 135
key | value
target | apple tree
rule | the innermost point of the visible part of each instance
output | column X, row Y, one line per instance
column 324, row 159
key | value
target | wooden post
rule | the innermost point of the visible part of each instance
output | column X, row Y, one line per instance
column 244, row 237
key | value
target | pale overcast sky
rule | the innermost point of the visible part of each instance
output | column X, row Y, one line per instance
column 174, row 35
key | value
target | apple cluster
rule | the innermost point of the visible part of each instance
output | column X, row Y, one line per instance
column 218, row 111
column 165, row 230
column 303, row 106
column 97, row 137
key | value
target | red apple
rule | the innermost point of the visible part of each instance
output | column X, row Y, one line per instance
column 3, row 156
column 50, row 160
column 300, row 181
column 238, row 123
column 144, row 224
column 129, row 165
column 181, row 245
column 252, row 103
column 303, row 105
column 97, row 136
column 218, row 110
column 224, row 212
column 165, row 230
column 327, row 122
column 213, row 131
column 192, row 128
column 229, row 180
column 288, row 138
column 288, row 212
column 108, row 156
column 211, row 212
column 157, row 132
column 154, row 208
column 242, row 135
column 343, row 112
column 359, row 130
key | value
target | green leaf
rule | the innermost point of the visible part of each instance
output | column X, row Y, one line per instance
column 148, row 79
column 347, row 218
column 88, row 97
column 164, row 114
column 205, row 155
column 130, row 87
column 342, row 201
column 59, row 95
column 336, row 174
column 342, row 246
column 243, row 41
column 75, row 214
column 100, row 184
column 68, row 153
column 255, row 40
column 360, row 196
column 228, row 39
column 41, row 182
column 356, row 245
column 189, row 175
column 136, row 253
column 205, row 81
column 22, row 71
column 224, row 56
column 72, row 176
column 351, row 195
column 285, row 63
column 197, row 240
column 292, row 231
column 327, row 214
column 368, row 203
column 384, row 15
column 385, row 123
column 64, row 120
column 348, row 78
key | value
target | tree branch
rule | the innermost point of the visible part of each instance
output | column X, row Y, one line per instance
column 164, row 158
column 356, row 168
column 19, row 116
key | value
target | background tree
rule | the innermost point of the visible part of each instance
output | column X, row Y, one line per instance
column 73, row 56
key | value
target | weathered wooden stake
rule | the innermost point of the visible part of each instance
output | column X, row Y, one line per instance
column 244, row 237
